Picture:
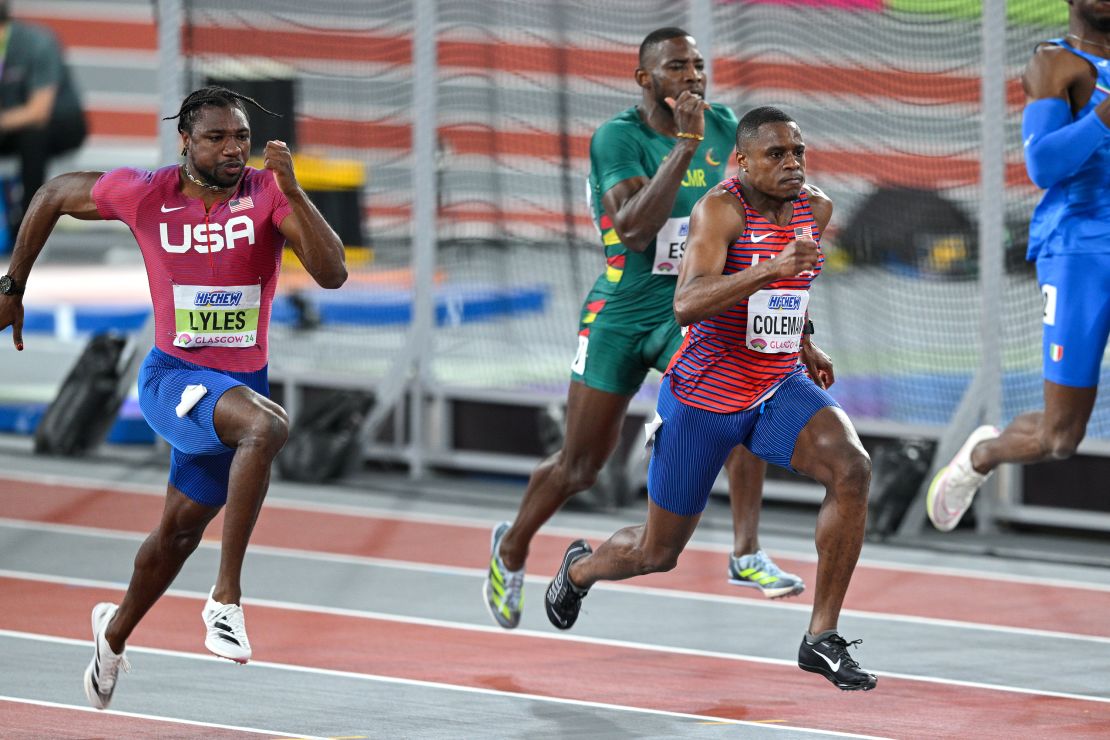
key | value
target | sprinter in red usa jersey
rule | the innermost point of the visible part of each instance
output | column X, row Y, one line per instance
column 211, row 230
column 740, row 379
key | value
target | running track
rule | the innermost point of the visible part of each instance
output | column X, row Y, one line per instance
column 675, row 653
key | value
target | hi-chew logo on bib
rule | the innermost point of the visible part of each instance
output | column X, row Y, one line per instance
column 775, row 320
column 224, row 316
column 670, row 245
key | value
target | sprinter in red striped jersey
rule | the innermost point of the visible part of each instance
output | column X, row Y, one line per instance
column 741, row 378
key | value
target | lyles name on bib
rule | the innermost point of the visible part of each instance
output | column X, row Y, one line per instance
column 222, row 316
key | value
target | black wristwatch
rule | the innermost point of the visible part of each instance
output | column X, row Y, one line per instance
column 10, row 286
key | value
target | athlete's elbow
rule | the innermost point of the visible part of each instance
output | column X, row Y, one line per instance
column 332, row 278
column 684, row 312
column 1043, row 174
column 633, row 239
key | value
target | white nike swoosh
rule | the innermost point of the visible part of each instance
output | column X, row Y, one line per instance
column 168, row 210
column 757, row 238
column 835, row 666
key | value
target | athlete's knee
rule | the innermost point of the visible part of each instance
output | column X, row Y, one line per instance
column 268, row 430
column 179, row 543
column 852, row 472
column 579, row 472
column 659, row 559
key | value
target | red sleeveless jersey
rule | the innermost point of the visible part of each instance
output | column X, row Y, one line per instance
column 736, row 359
column 212, row 276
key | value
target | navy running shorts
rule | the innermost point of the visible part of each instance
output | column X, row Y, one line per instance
column 691, row 444
column 1076, row 294
column 199, row 461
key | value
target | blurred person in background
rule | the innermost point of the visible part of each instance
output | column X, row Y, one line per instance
column 40, row 112
column 649, row 165
column 741, row 378
column 212, row 232
column 1066, row 137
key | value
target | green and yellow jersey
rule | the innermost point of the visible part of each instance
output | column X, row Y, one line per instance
column 636, row 290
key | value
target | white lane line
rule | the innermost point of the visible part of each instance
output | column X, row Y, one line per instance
column 622, row 587
column 377, row 678
column 151, row 717
column 484, row 525
column 489, row 629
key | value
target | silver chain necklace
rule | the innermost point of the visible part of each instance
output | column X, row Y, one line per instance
column 1087, row 41
column 195, row 181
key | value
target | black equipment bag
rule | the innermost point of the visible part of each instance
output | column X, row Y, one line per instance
column 89, row 398
column 898, row 469
column 325, row 441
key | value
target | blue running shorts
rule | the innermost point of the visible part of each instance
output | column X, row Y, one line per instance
column 691, row 444
column 1076, row 293
column 199, row 461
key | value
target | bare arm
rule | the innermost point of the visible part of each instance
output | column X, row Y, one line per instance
column 35, row 112
column 639, row 206
column 703, row 291
column 313, row 240
column 68, row 195
column 818, row 364
column 1054, row 72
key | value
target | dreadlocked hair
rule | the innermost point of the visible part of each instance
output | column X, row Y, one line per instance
column 220, row 97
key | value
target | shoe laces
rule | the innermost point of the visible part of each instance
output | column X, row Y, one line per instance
column 514, row 586
column 110, row 665
column 232, row 615
column 840, row 647
column 760, row 561
column 963, row 482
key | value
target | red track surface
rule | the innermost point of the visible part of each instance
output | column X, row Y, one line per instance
column 906, row 592
column 718, row 687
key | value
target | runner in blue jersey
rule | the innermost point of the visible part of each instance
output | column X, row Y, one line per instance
column 1066, row 135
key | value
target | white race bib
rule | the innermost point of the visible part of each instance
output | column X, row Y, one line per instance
column 776, row 319
column 670, row 244
column 578, row 367
column 220, row 316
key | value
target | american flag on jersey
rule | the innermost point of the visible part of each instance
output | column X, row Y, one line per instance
column 241, row 204
column 803, row 232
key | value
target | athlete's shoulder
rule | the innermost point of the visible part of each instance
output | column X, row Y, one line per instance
column 1057, row 58
column 126, row 179
column 625, row 122
column 255, row 179
column 820, row 203
column 721, row 201
column 815, row 194
column 722, row 113
column 262, row 187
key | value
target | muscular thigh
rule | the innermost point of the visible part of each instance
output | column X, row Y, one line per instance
column 616, row 358
column 690, row 448
column 199, row 462
column 783, row 417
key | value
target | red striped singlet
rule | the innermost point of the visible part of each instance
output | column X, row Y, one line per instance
column 715, row 369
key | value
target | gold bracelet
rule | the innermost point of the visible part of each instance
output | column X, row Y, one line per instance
column 684, row 135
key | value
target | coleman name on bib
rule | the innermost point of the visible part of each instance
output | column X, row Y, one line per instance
column 223, row 316
column 776, row 319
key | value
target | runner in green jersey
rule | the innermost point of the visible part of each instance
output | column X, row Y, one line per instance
column 649, row 166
